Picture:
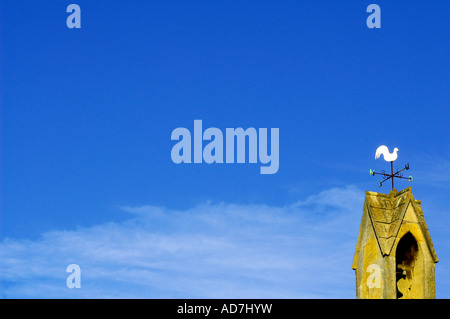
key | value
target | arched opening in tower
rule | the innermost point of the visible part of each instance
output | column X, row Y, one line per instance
column 405, row 257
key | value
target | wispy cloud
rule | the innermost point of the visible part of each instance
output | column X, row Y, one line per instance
column 433, row 170
column 214, row 250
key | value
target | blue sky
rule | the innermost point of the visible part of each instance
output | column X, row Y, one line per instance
column 87, row 115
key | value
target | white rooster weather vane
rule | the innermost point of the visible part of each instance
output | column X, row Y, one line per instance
column 389, row 157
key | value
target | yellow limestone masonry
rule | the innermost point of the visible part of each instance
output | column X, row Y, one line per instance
column 394, row 256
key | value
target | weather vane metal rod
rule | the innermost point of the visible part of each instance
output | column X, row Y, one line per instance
column 392, row 173
column 390, row 157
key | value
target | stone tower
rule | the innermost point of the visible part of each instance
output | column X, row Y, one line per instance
column 394, row 256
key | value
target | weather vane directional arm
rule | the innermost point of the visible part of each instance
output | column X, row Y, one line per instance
column 389, row 157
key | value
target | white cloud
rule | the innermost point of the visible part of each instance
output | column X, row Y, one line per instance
column 432, row 170
column 214, row 250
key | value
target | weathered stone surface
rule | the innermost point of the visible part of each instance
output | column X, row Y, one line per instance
column 394, row 244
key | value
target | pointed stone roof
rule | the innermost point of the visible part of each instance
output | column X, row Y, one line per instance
column 386, row 213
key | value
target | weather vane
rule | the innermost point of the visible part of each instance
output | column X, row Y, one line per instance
column 389, row 157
